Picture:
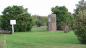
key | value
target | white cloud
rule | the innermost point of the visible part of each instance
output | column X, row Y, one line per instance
column 39, row 7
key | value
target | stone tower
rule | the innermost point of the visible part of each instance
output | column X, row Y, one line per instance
column 52, row 22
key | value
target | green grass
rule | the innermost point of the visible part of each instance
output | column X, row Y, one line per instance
column 43, row 40
column 1, row 37
column 39, row 29
column 40, row 38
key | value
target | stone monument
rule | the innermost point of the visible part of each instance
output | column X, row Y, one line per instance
column 52, row 22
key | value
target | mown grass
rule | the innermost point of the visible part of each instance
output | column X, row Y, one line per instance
column 39, row 37
column 43, row 40
column 1, row 37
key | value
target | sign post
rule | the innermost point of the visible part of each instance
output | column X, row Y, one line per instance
column 12, row 22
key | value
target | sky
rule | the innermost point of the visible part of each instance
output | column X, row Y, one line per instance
column 39, row 7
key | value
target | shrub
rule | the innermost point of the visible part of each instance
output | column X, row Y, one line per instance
column 80, row 22
column 18, row 13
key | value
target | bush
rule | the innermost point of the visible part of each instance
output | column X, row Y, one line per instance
column 39, row 20
column 80, row 30
column 80, row 22
column 18, row 13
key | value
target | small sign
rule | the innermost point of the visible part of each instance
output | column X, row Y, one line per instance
column 12, row 22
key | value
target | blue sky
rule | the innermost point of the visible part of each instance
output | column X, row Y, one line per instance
column 39, row 7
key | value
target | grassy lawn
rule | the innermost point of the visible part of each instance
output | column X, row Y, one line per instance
column 1, row 37
column 40, row 38
column 1, row 41
column 43, row 40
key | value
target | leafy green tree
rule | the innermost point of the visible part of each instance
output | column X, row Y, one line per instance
column 18, row 13
column 67, row 22
column 34, row 19
column 39, row 20
column 63, row 17
column 80, row 21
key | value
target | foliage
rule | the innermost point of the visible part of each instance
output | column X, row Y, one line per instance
column 34, row 19
column 18, row 13
column 80, row 21
column 63, row 17
column 39, row 20
column 68, row 22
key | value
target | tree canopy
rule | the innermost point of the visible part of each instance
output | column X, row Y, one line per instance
column 18, row 13
column 63, row 17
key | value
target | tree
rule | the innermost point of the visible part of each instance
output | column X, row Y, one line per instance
column 39, row 20
column 80, row 21
column 18, row 13
column 63, row 17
